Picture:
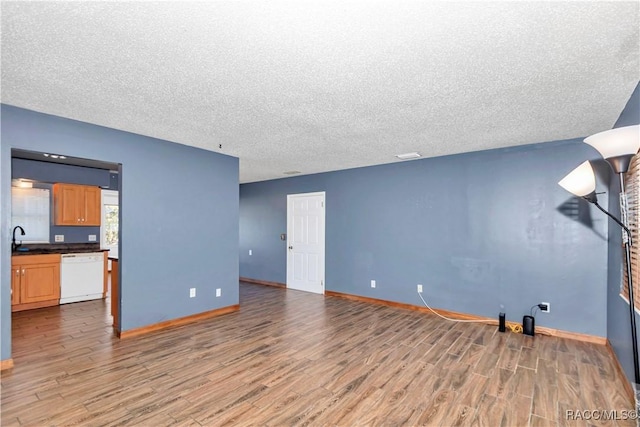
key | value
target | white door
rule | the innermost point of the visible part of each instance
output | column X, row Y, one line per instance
column 109, row 224
column 305, row 242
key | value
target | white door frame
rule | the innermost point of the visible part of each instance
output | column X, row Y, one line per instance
column 321, row 237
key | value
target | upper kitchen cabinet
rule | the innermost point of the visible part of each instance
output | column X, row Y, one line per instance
column 76, row 205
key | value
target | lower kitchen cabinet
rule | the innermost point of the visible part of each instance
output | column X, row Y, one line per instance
column 35, row 281
column 115, row 292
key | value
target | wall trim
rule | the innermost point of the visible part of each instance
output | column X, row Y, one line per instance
column 6, row 364
column 594, row 339
column 177, row 322
column 263, row 282
column 626, row 383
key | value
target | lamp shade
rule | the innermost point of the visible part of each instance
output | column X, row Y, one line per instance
column 581, row 181
column 616, row 142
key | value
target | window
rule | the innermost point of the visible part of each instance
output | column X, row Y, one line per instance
column 30, row 210
column 632, row 187
column 111, row 225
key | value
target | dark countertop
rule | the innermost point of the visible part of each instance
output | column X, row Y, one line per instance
column 68, row 248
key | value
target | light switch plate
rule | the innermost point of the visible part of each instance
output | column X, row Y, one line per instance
column 192, row 292
column 59, row 238
column 218, row 292
column 92, row 237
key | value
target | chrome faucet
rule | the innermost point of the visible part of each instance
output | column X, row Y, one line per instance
column 15, row 245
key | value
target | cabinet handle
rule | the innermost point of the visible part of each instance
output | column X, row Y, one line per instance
column 23, row 271
column 18, row 272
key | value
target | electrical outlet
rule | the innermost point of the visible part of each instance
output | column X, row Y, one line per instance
column 419, row 289
column 59, row 237
column 92, row 237
column 546, row 309
column 192, row 292
column 218, row 292
column 373, row 283
column 250, row 252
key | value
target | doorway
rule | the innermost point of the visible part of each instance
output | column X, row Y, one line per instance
column 44, row 170
column 306, row 242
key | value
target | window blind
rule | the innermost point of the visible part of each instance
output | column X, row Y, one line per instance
column 30, row 210
column 632, row 187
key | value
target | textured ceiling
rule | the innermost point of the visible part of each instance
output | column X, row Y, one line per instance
column 317, row 86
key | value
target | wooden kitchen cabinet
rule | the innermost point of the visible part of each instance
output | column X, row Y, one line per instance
column 115, row 295
column 15, row 285
column 35, row 281
column 92, row 207
column 76, row 205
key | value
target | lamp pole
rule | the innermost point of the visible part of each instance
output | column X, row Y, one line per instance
column 620, row 166
column 632, row 315
column 617, row 146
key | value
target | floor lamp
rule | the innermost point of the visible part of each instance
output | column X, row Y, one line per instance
column 617, row 147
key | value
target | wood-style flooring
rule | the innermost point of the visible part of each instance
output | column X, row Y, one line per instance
column 293, row 358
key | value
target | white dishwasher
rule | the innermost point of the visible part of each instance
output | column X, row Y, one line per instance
column 81, row 277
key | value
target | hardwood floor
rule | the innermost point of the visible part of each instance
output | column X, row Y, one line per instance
column 292, row 358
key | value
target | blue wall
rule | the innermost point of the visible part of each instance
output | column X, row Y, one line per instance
column 618, row 327
column 47, row 172
column 179, row 216
column 478, row 230
column 56, row 172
